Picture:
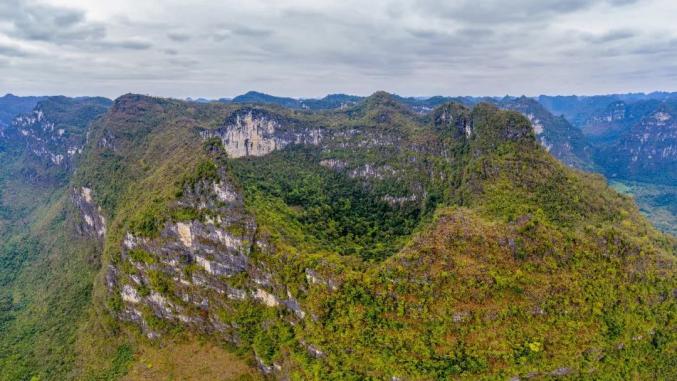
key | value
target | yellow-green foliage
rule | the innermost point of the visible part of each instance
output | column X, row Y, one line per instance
column 544, row 269
column 461, row 301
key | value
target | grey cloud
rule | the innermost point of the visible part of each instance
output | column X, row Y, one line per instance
column 435, row 35
column 251, row 31
column 357, row 42
column 623, row 2
column 612, row 35
column 12, row 51
column 183, row 62
column 668, row 46
column 515, row 11
column 222, row 33
column 497, row 11
column 414, row 46
column 32, row 21
column 425, row 33
column 178, row 37
column 476, row 32
column 127, row 44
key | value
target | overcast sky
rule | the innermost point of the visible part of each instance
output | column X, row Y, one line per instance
column 308, row 48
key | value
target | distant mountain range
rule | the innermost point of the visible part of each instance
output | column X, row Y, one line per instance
column 628, row 137
column 51, row 145
column 634, row 135
column 613, row 134
column 578, row 109
column 333, row 101
column 616, row 134
column 11, row 106
column 586, row 132
column 646, row 149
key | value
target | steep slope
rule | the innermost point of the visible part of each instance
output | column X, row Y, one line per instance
column 648, row 151
column 629, row 147
column 606, row 126
column 370, row 243
column 576, row 109
column 564, row 141
column 47, row 259
column 555, row 134
column 53, row 134
column 425, row 105
column 332, row 101
column 11, row 106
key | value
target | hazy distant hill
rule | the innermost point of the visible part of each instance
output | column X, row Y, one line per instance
column 11, row 106
column 333, row 101
column 605, row 127
column 646, row 151
column 578, row 109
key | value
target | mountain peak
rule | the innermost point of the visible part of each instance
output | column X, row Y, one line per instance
column 493, row 126
column 453, row 117
column 383, row 99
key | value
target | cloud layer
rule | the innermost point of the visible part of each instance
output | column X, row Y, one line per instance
column 310, row 48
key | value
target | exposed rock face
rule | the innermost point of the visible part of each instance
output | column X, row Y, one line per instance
column 54, row 133
column 257, row 132
column 611, row 121
column 12, row 105
column 455, row 118
column 294, row 306
column 187, row 275
column 648, row 151
column 333, row 164
column 185, row 235
column 555, row 134
column 93, row 223
column 536, row 123
column 371, row 171
column 608, row 125
column 392, row 200
column 130, row 295
column 266, row 298
column 45, row 141
column 107, row 141
column 313, row 277
column 251, row 132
